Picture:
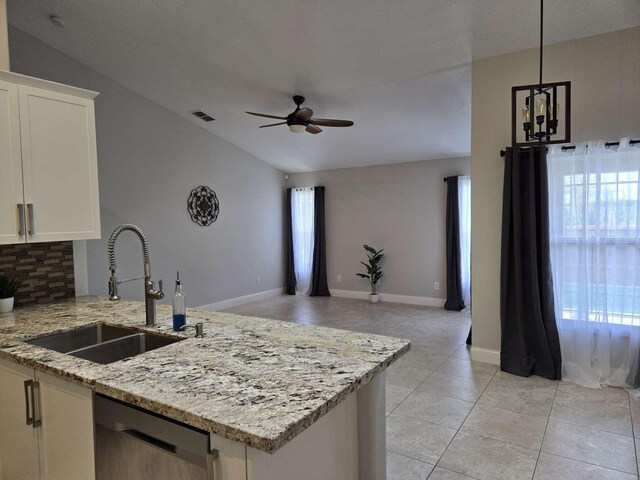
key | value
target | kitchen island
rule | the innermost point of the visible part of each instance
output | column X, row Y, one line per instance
column 280, row 400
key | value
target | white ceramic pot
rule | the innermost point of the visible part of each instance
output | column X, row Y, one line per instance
column 374, row 297
column 6, row 305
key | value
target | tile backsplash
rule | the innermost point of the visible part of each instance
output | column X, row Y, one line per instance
column 45, row 268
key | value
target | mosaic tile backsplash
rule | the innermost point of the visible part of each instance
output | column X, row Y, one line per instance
column 45, row 268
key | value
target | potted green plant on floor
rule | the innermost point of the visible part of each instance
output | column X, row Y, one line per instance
column 374, row 272
column 8, row 288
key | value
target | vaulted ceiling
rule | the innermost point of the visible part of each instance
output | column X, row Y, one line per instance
column 401, row 70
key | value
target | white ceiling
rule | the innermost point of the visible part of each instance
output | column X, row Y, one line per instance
column 399, row 69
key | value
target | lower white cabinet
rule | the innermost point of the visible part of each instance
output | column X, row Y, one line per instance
column 46, row 427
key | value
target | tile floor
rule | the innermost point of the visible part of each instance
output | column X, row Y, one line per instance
column 453, row 419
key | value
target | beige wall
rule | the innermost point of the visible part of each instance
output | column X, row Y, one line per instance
column 400, row 208
column 4, row 37
column 605, row 75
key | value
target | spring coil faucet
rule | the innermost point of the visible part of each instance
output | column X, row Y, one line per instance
column 150, row 295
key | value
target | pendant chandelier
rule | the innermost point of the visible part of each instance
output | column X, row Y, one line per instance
column 537, row 117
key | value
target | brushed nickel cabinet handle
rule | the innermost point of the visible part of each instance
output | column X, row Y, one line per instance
column 32, row 220
column 27, row 389
column 35, row 405
column 21, row 219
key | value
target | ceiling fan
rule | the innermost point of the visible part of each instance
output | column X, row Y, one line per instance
column 301, row 119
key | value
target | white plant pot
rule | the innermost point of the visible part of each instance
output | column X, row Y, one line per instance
column 6, row 305
column 374, row 297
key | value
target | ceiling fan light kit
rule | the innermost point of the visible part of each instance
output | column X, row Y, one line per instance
column 297, row 128
column 301, row 119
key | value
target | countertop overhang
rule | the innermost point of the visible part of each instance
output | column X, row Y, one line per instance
column 256, row 381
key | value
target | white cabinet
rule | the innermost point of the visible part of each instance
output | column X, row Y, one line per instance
column 48, row 149
column 18, row 440
column 11, row 190
column 47, row 427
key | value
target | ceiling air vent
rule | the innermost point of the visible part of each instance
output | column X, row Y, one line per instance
column 205, row 117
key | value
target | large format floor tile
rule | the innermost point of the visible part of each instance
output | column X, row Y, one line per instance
column 488, row 459
column 551, row 467
column 601, row 416
column 476, row 421
column 506, row 426
column 464, row 368
column 533, row 400
column 408, row 376
column 570, row 392
column 395, row 395
column 433, row 408
column 588, row 445
column 439, row 473
column 462, row 388
column 417, row 439
column 400, row 467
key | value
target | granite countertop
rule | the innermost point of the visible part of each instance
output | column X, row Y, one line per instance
column 256, row 381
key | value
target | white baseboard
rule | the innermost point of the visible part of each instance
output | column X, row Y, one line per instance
column 391, row 297
column 485, row 355
column 234, row 302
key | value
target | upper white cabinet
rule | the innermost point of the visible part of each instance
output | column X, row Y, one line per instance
column 48, row 160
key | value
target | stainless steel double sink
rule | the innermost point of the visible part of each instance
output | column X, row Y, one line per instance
column 102, row 343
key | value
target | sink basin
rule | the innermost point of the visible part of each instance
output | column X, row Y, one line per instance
column 103, row 343
column 124, row 347
column 71, row 340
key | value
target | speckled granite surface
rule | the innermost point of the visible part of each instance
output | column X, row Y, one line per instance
column 260, row 382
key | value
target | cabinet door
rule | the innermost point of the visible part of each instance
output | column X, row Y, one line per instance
column 66, row 434
column 18, row 441
column 11, row 195
column 59, row 162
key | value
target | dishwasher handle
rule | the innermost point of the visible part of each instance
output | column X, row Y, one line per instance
column 156, row 442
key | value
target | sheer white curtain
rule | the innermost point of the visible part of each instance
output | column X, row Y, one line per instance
column 302, row 219
column 464, row 208
column 595, row 255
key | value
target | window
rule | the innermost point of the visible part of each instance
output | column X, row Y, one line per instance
column 302, row 219
column 595, row 234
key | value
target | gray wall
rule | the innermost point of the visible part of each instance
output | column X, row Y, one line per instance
column 149, row 159
column 400, row 208
column 605, row 75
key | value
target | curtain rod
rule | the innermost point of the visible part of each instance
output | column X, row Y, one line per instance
column 573, row 147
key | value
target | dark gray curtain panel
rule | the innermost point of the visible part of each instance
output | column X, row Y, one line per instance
column 291, row 272
column 319, row 287
column 530, row 343
column 454, row 283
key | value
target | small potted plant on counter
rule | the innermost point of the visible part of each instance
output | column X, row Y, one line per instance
column 8, row 288
column 374, row 272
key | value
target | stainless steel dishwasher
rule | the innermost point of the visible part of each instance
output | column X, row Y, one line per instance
column 135, row 444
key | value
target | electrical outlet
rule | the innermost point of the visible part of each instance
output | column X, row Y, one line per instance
column 339, row 278
column 257, row 280
column 436, row 285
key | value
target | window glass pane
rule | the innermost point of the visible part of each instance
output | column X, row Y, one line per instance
column 596, row 254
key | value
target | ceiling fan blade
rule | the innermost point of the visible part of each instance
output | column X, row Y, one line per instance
column 272, row 125
column 303, row 114
column 313, row 129
column 329, row 122
column 266, row 116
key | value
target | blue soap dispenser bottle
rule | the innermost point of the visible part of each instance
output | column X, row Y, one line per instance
column 179, row 308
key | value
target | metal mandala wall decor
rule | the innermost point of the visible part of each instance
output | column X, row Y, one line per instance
column 203, row 206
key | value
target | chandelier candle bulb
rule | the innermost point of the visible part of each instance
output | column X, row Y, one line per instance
column 541, row 106
column 526, row 116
